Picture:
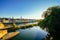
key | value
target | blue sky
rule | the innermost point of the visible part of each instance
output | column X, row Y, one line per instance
column 25, row 8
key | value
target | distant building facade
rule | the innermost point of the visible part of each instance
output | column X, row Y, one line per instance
column 10, row 20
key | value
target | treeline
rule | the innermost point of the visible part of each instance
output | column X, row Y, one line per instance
column 51, row 21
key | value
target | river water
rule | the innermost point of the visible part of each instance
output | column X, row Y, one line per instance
column 33, row 33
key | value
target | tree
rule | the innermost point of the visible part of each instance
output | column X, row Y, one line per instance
column 52, row 21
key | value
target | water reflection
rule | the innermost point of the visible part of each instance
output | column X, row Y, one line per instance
column 34, row 33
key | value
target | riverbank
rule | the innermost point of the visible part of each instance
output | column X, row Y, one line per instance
column 9, row 35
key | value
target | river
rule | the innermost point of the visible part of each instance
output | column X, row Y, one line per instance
column 33, row 33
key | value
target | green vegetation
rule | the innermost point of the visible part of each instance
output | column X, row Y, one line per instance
column 28, row 26
column 51, row 21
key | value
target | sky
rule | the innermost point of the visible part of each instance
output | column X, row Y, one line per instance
column 32, row 9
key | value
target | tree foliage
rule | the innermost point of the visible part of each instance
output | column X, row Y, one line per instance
column 52, row 21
